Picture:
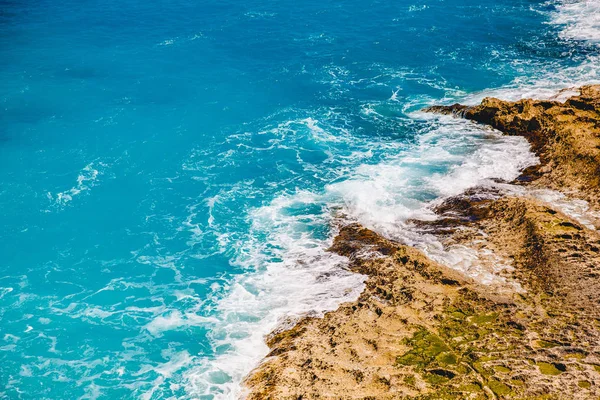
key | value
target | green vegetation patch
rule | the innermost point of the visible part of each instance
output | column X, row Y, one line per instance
column 410, row 380
column 576, row 355
column 500, row 389
column 427, row 348
column 545, row 344
column 502, row 368
column 471, row 387
column 447, row 358
column 584, row 384
column 484, row 318
column 548, row 369
column 435, row 379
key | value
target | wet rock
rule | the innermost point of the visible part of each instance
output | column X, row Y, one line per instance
column 566, row 136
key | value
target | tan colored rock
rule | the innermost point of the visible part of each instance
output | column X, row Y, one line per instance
column 422, row 331
column 566, row 137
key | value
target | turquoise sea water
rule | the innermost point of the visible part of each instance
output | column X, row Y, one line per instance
column 173, row 171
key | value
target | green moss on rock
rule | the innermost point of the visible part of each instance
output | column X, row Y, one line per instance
column 500, row 389
column 584, row 384
column 426, row 347
column 501, row 368
column 548, row 369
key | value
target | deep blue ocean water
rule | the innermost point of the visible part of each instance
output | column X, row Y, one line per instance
column 173, row 171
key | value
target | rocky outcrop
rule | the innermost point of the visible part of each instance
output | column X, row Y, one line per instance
column 566, row 137
column 421, row 330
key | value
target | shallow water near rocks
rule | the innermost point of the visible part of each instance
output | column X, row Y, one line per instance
column 171, row 171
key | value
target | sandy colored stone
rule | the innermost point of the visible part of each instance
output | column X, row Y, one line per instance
column 422, row 331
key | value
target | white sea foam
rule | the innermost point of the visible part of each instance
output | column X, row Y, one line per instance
column 167, row 42
column 384, row 196
column 176, row 320
column 260, row 14
column 178, row 40
column 549, row 86
column 579, row 19
column 295, row 277
column 86, row 179
column 577, row 209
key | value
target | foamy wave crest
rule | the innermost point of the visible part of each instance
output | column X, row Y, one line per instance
column 290, row 275
column 453, row 156
column 579, row 19
column 559, row 84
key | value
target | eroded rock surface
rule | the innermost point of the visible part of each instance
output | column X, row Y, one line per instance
column 423, row 331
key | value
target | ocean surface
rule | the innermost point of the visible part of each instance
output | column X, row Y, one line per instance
column 172, row 172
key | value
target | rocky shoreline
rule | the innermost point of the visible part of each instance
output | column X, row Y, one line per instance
column 421, row 330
